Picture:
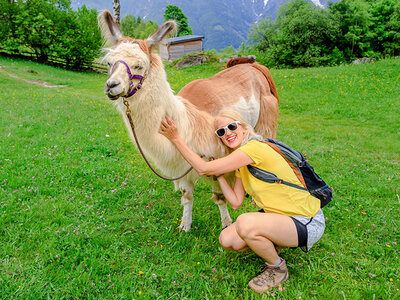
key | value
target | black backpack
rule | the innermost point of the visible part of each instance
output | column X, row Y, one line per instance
column 303, row 170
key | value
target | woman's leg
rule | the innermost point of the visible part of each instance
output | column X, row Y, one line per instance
column 230, row 240
column 260, row 231
column 256, row 228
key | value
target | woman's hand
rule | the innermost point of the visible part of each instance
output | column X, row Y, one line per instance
column 168, row 129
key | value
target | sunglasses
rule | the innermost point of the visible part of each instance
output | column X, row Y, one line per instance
column 220, row 132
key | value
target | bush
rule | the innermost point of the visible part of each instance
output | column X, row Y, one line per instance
column 81, row 42
column 305, row 35
column 50, row 28
column 137, row 28
column 228, row 51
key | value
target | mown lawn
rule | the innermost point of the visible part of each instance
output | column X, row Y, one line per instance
column 81, row 215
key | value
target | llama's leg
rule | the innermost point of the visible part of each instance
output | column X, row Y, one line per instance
column 220, row 200
column 186, row 189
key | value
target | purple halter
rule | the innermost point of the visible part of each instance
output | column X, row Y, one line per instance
column 132, row 89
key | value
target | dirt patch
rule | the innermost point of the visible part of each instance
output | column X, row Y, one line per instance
column 32, row 71
column 37, row 82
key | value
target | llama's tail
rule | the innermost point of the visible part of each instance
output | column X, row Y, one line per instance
column 269, row 105
column 261, row 68
column 268, row 76
column 239, row 60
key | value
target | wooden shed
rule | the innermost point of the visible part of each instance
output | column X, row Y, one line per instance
column 174, row 48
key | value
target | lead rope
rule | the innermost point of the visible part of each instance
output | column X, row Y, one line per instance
column 128, row 114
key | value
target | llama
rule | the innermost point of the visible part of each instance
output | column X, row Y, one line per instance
column 247, row 88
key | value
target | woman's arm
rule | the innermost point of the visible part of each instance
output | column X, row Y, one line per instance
column 234, row 196
column 229, row 163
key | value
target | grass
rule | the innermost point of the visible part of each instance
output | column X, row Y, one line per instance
column 81, row 216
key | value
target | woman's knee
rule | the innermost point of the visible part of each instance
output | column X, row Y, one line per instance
column 224, row 240
column 231, row 241
column 244, row 225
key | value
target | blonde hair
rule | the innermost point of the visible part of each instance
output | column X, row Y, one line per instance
column 249, row 132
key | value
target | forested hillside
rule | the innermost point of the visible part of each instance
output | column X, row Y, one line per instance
column 223, row 23
column 302, row 35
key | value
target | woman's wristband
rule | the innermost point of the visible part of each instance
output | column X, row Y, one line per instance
column 215, row 177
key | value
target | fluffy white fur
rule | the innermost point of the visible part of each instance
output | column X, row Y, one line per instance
column 149, row 106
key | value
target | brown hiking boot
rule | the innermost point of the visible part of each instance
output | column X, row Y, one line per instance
column 270, row 277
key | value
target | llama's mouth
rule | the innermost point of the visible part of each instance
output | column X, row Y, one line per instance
column 113, row 97
column 113, row 92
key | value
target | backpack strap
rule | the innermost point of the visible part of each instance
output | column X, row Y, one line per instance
column 291, row 165
column 271, row 177
column 293, row 158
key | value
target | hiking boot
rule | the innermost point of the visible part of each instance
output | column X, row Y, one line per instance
column 271, row 276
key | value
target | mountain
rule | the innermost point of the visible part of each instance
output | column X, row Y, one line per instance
column 223, row 22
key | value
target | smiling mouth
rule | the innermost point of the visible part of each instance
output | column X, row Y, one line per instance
column 231, row 138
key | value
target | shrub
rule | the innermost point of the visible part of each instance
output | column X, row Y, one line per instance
column 50, row 28
column 137, row 28
column 304, row 35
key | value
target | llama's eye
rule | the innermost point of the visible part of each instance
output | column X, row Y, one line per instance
column 138, row 67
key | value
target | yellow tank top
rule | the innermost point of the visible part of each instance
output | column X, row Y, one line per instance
column 274, row 197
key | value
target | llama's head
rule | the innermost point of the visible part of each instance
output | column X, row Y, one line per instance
column 129, row 60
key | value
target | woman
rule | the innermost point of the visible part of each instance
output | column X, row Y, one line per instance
column 288, row 217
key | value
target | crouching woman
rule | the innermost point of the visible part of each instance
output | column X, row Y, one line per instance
column 288, row 217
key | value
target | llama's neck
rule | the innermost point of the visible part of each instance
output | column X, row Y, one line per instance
column 150, row 105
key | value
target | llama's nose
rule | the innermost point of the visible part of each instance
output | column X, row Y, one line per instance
column 111, row 84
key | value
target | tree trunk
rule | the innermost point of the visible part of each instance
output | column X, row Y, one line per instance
column 116, row 8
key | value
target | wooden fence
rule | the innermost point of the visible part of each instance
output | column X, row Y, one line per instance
column 99, row 67
column 96, row 66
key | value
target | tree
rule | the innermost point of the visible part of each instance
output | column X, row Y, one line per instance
column 394, row 27
column 306, row 34
column 9, row 11
column 128, row 26
column 35, row 28
column 81, row 39
column 137, row 28
column 302, row 35
column 116, row 8
column 355, row 20
column 50, row 29
column 263, row 34
column 173, row 12
column 385, row 32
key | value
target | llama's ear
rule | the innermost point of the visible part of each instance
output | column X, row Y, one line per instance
column 109, row 29
column 161, row 33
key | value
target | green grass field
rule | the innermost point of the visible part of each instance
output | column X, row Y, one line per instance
column 81, row 215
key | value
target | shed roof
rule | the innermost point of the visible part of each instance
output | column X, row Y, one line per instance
column 184, row 38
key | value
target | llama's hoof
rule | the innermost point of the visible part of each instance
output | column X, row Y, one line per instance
column 183, row 227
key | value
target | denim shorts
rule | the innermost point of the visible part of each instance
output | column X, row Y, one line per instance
column 309, row 230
